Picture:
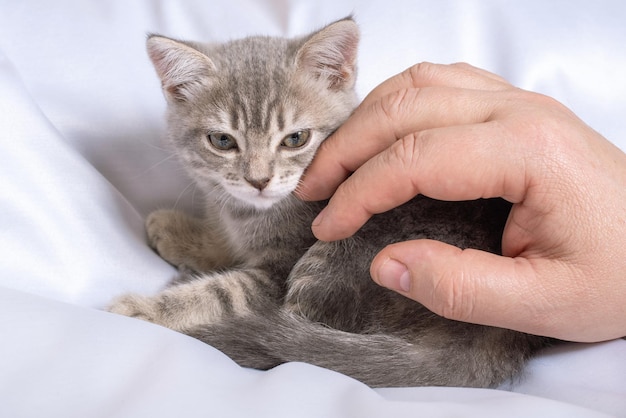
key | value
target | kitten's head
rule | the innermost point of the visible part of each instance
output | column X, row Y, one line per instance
column 248, row 115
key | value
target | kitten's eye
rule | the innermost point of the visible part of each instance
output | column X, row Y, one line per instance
column 296, row 139
column 222, row 142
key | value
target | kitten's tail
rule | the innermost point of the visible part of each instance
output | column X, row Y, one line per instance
column 378, row 360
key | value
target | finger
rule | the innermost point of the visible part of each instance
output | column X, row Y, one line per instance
column 453, row 163
column 374, row 128
column 425, row 74
column 387, row 101
column 482, row 72
column 468, row 285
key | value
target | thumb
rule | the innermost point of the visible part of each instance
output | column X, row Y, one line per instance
column 465, row 285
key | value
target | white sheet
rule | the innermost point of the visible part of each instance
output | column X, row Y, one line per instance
column 81, row 164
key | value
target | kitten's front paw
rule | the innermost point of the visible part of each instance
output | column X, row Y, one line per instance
column 162, row 227
column 134, row 306
column 157, row 226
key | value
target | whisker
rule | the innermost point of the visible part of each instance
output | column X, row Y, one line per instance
column 155, row 146
column 153, row 166
column 193, row 196
column 302, row 191
column 192, row 183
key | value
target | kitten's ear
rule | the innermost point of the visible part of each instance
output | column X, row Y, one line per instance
column 183, row 70
column 330, row 54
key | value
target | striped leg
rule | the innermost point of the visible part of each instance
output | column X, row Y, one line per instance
column 204, row 300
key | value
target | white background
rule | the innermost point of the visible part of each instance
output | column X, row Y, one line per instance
column 82, row 162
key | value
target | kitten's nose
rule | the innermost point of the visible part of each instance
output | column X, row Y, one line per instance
column 259, row 184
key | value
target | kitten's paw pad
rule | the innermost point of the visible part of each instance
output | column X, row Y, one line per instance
column 134, row 306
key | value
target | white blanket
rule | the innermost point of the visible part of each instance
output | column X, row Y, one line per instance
column 82, row 163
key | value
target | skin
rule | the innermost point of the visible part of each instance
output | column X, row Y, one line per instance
column 456, row 132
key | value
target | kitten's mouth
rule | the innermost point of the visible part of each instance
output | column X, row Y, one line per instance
column 262, row 199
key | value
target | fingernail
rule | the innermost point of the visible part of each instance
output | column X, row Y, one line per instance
column 395, row 276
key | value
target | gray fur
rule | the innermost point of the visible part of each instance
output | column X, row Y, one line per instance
column 261, row 288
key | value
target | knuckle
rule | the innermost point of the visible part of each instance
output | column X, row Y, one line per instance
column 405, row 153
column 395, row 109
column 403, row 158
column 451, row 296
column 423, row 71
column 391, row 105
column 462, row 66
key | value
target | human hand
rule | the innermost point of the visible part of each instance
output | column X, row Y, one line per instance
column 456, row 133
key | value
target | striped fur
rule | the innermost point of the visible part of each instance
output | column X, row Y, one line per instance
column 257, row 285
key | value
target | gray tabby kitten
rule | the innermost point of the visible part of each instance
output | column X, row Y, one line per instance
column 246, row 118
